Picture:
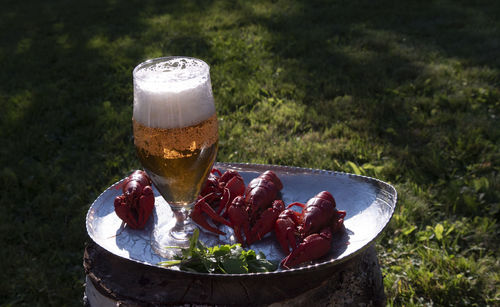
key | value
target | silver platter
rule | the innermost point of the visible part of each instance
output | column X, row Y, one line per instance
column 369, row 204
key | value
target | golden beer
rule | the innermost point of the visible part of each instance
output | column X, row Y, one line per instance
column 177, row 159
column 176, row 139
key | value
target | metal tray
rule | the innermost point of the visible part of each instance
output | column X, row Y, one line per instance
column 369, row 204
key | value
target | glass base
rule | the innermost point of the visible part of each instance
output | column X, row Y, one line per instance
column 172, row 232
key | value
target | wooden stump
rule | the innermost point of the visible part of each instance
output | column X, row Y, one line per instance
column 119, row 282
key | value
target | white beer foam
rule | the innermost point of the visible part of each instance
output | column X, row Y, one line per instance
column 174, row 93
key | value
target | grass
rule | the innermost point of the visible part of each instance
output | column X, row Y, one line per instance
column 404, row 91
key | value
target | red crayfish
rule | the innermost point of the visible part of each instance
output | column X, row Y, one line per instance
column 251, row 211
column 136, row 203
column 262, row 204
column 309, row 232
column 218, row 193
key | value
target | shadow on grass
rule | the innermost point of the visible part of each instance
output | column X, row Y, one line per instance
column 66, row 95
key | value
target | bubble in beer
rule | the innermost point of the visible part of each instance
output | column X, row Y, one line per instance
column 172, row 92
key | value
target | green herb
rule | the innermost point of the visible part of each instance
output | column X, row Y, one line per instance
column 225, row 259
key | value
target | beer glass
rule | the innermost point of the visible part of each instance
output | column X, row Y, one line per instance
column 176, row 139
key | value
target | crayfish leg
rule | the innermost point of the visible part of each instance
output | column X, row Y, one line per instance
column 196, row 215
column 237, row 233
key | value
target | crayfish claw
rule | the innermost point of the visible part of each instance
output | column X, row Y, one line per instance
column 266, row 221
column 146, row 205
column 239, row 218
column 196, row 215
column 313, row 247
column 285, row 228
column 125, row 212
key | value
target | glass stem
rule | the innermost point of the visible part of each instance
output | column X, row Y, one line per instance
column 181, row 216
column 183, row 228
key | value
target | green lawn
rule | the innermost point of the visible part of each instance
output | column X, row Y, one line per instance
column 408, row 92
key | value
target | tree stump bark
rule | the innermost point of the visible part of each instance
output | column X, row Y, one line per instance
column 114, row 281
